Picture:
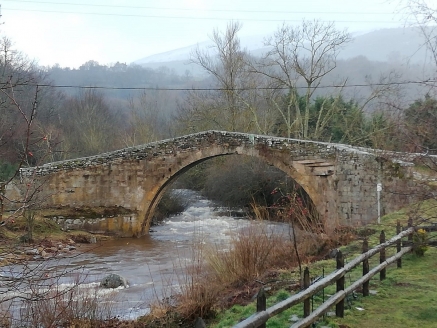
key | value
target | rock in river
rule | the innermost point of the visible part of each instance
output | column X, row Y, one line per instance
column 113, row 281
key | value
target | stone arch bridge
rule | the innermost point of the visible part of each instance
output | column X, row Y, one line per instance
column 123, row 187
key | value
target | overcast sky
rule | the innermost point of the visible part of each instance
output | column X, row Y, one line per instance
column 71, row 32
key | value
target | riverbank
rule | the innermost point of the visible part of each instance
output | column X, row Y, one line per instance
column 218, row 279
column 406, row 298
column 230, row 280
column 48, row 241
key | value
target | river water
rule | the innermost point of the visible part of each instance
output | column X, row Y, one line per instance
column 153, row 265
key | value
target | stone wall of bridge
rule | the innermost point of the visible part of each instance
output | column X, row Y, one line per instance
column 340, row 180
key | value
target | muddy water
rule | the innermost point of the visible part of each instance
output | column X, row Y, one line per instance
column 152, row 264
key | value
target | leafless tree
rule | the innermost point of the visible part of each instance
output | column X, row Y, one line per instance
column 300, row 56
column 145, row 118
column 233, row 102
column 424, row 14
column 20, row 142
column 87, row 121
column 226, row 64
column 30, row 286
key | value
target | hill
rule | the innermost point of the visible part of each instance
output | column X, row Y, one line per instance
column 396, row 45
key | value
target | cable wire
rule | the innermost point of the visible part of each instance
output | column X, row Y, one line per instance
column 192, row 17
column 426, row 82
column 204, row 10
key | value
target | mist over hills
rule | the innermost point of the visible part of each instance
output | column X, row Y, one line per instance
column 387, row 55
column 400, row 45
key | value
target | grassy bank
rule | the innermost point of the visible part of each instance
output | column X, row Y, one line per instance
column 406, row 298
column 43, row 227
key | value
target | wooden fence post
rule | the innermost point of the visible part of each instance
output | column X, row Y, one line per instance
column 261, row 303
column 306, row 284
column 399, row 244
column 339, row 307
column 365, row 268
column 382, row 255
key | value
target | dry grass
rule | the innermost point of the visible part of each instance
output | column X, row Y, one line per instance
column 198, row 292
column 247, row 257
column 59, row 307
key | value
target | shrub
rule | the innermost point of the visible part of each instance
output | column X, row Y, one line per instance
column 420, row 238
column 253, row 251
column 7, row 170
column 57, row 306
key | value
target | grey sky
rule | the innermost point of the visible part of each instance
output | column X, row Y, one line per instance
column 70, row 32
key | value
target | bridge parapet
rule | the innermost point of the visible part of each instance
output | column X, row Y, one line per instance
column 298, row 148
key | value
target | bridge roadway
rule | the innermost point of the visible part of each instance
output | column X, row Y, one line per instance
column 117, row 192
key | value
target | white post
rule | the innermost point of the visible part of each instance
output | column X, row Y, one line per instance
column 378, row 195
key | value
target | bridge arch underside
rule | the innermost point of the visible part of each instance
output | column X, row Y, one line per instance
column 314, row 186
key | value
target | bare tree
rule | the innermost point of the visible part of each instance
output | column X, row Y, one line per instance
column 20, row 204
column 87, row 121
column 15, row 68
column 226, row 64
column 233, row 103
column 21, row 143
column 300, row 56
column 24, row 142
column 145, row 119
column 424, row 15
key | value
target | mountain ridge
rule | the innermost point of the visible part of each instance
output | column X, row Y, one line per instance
column 400, row 44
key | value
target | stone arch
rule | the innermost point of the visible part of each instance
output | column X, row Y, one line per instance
column 293, row 171
column 150, row 209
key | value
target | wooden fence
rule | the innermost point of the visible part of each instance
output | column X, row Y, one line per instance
column 263, row 314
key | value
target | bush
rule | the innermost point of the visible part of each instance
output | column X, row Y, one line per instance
column 7, row 170
column 51, row 304
column 420, row 239
column 254, row 251
column 247, row 258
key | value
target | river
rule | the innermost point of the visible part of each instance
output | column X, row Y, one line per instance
column 153, row 265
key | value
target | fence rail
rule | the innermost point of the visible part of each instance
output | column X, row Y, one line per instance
column 341, row 295
column 260, row 318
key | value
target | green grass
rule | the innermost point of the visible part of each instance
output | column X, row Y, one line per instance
column 237, row 313
column 406, row 298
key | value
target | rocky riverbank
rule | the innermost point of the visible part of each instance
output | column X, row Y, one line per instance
column 43, row 250
column 14, row 248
